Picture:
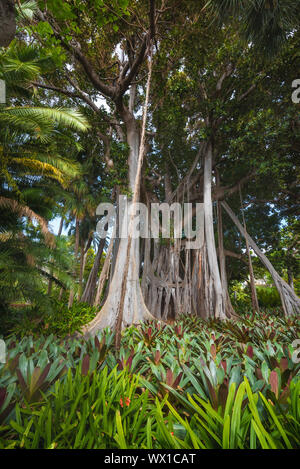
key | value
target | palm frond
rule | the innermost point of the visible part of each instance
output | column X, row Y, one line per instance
column 40, row 168
column 19, row 65
column 41, row 121
column 25, row 211
column 267, row 24
column 26, row 10
column 264, row 23
column 68, row 167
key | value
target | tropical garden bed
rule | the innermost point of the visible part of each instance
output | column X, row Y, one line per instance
column 189, row 384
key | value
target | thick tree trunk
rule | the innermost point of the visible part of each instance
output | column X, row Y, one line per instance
column 217, row 301
column 290, row 301
column 202, row 285
column 134, row 309
column 61, row 291
column 164, row 284
column 177, row 281
column 106, row 270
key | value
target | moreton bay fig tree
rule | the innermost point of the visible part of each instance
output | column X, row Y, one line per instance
column 214, row 119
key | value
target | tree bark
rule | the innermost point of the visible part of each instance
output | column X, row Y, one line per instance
column 50, row 283
column 89, row 291
column 290, row 301
column 71, row 296
column 254, row 300
column 134, row 308
column 81, row 269
column 107, row 267
column 213, row 285
column 290, row 277
column 222, row 261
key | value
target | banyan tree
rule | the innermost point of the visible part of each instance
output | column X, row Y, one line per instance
column 177, row 95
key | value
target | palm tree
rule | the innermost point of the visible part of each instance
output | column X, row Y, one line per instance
column 80, row 204
column 264, row 23
column 29, row 160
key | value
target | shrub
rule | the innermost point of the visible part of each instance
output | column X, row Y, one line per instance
column 60, row 321
column 268, row 297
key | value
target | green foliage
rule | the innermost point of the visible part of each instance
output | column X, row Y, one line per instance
column 29, row 163
column 189, row 385
column 41, row 120
column 239, row 295
column 264, row 23
column 59, row 320
column 268, row 297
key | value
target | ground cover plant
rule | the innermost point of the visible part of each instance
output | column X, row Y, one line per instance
column 189, row 384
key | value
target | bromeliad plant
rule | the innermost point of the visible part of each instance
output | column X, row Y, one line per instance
column 248, row 420
column 35, row 380
column 102, row 410
column 227, row 392
column 6, row 401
